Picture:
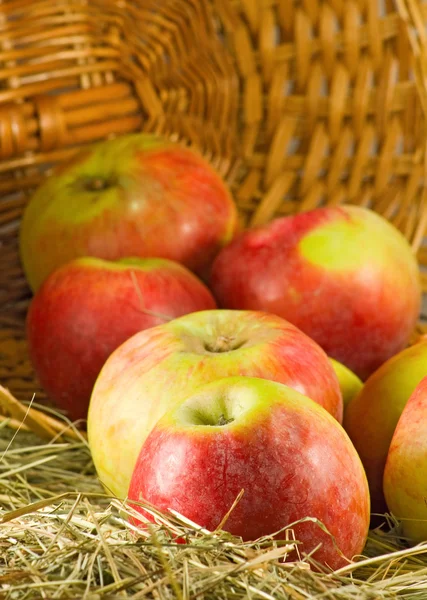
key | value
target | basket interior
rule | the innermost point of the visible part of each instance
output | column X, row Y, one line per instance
column 296, row 104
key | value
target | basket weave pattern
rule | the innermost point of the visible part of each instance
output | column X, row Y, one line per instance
column 296, row 103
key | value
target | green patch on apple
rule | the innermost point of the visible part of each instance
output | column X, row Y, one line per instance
column 349, row 244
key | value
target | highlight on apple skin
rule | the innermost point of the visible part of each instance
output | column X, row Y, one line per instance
column 405, row 473
column 88, row 307
column 371, row 417
column 157, row 367
column 343, row 275
column 136, row 195
column 289, row 455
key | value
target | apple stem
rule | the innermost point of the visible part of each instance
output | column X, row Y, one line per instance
column 97, row 184
column 223, row 343
column 223, row 421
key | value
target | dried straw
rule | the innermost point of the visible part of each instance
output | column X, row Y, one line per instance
column 297, row 104
column 61, row 536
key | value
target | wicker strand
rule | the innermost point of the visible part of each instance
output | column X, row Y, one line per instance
column 297, row 104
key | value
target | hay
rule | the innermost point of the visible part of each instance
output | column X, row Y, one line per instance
column 61, row 536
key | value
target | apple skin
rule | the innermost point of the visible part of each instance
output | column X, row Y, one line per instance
column 137, row 195
column 343, row 275
column 288, row 454
column 155, row 368
column 349, row 382
column 371, row 417
column 405, row 481
column 88, row 307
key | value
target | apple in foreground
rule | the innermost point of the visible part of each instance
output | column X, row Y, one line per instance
column 88, row 307
column 157, row 367
column 405, row 474
column 137, row 195
column 288, row 454
column 371, row 417
column 343, row 275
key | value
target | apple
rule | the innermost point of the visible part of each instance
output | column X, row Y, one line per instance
column 289, row 455
column 137, row 195
column 405, row 473
column 88, row 307
column 343, row 275
column 371, row 417
column 157, row 367
column 349, row 382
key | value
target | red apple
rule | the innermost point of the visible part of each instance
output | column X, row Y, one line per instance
column 405, row 473
column 343, row 275
column 137, row 195
column 371, row 417
column 291, row 458
column 158, row 367
column 88, row 307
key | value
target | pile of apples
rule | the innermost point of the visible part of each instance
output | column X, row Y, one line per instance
column 264, row 370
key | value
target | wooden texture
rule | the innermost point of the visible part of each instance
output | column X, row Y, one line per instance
column 296, row 103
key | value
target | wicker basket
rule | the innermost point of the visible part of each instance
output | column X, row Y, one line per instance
column 297, row 103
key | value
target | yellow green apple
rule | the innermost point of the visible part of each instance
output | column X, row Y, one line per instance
column 371, row 417
column 350, row 383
